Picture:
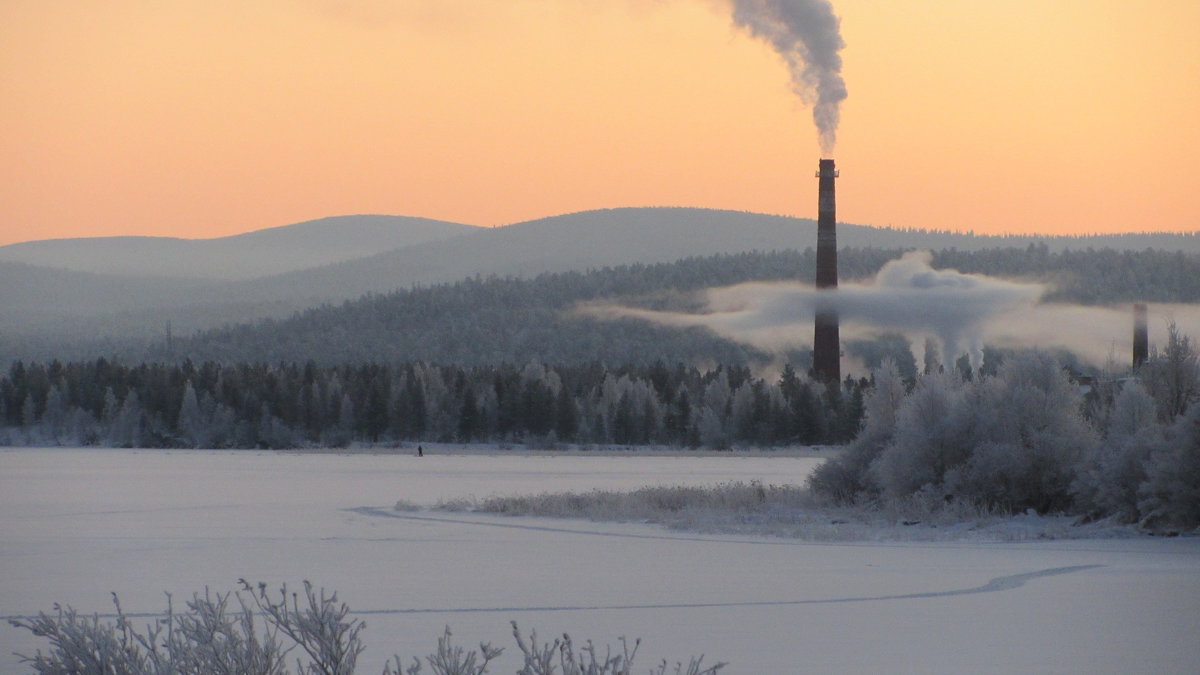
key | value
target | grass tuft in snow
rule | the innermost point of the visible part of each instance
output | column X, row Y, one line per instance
column 405, row 505
column 668, row 505
column 793, row 512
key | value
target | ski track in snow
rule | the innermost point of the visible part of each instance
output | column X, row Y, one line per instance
column 997, row 584
column 1005, row 583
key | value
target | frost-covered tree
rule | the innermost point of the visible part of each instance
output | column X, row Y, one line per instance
column 1170, row 496
column 711, row 429
column 846, row 478
column 128, row 430
column 223, row 426
column 28, row 412
column 1029, row 437
column 1108, row 480
column 931, row 437
column 112, row 407
column 190, row 423
column 1011, row 441
column 1173, row 375
column 717, row 395
column 566, row 415
column 54, row 415
column 931, row 356
column 742, row 411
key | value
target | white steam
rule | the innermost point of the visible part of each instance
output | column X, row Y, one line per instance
column 806, row 34
column 960, row 312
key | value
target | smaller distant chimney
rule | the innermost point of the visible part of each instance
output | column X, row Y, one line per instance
column 1141, row 336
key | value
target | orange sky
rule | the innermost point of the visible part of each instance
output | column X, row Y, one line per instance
column 206, row 118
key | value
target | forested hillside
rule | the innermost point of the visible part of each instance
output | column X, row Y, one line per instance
column 507, row 359
column 155, row 288
column 490, row 321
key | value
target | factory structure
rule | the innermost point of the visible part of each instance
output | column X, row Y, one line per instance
column 827, row 351
column 1141, row 336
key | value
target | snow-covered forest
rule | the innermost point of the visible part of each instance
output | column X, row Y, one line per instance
column 496, row 320
column 1019, row 433
column 1031, row 439
column 283, row 406
column 487, row 320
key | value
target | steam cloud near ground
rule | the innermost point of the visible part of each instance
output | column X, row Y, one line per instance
column 961, row 312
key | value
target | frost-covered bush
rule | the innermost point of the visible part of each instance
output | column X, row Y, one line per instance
column 1170, row 496
column 932, row 435
column 318, row 626
column 1107, row 481
column 211, row 636
column 1029, row 436
column 1011, row 441
column 313, row 628
column 561, row 657
column 449, row 659
column 846, row 480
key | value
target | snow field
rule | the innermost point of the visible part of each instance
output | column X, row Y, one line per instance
column 77, row 524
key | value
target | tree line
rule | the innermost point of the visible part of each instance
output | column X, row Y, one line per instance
column 215, row 405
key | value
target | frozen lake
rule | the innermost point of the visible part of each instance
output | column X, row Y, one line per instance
column 78, row 524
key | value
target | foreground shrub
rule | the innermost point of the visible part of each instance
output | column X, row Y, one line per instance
column 213, row 636
column 209, row 637
column 540, row 659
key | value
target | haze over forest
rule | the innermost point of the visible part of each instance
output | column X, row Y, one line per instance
column 81, row 298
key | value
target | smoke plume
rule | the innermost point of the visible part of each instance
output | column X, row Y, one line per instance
column 805, row 33
column 960, row 312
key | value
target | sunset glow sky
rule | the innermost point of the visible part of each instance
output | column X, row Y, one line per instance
column 207, row 118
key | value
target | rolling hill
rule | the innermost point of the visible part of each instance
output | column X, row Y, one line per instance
column 255, row 254
column 196, row 285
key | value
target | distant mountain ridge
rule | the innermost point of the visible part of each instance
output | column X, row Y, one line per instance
column 606, row 238
column 574, row 241
column 261, row 253
column 646, row 235
column 43, row 305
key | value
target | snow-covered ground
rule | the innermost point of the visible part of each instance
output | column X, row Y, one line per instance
column 78, row 524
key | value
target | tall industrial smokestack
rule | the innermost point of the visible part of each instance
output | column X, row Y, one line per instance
column 1141, row 336
column 826, row 344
